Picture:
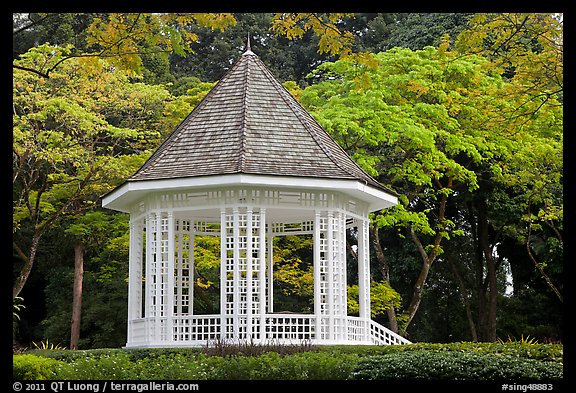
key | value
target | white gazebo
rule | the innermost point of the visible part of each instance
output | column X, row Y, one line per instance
column 246, row 165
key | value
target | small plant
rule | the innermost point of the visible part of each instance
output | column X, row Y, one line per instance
column 48, row 346
column 17, row 306
column 525, row 341
column 220, row 347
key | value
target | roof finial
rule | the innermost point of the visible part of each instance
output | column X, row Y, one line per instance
column 248, row 49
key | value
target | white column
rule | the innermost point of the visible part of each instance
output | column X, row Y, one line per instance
column 134, row 276
column 363, row 270
column 330, row 280
column 169, row 290
column 270, row 269
column 223, row 278
column 149, row 266
column 262, row 274
column 178, row 261
column 158, row 275
column 236, row 272
column 191, row 262
column 343, row 283
column 249, row 273
column 317, row 276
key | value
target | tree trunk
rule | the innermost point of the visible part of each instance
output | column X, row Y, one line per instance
column 427, row 261
column 539, row 266
column 490, row 270
column 77, row 295
column 465, row 301
column 28, row 263
column 385, row 270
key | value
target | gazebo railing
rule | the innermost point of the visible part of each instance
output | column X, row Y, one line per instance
column 291, row 327
column 198, row 330
column 381, row 335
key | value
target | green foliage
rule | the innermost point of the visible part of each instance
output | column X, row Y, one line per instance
column 463, row 361
column 172, row 366
column 17, row 307
column 46, row 345
column 543, row 352
column 113, row 366
column 293, row 273
column 250, row 348
column 418, row 30
column 469, row 366
column 302, row 366
column 332, row 39
column 32, row 367
column 382, row 297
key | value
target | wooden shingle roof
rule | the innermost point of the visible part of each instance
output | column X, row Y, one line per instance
column 250, row 124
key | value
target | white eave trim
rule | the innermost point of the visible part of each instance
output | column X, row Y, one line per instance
column 122, row 197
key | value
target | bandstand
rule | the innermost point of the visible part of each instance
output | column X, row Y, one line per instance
column 248, row 164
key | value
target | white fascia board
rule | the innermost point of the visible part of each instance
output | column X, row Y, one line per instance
column 122, row 197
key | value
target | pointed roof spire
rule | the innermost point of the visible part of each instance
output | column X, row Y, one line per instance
column 248, row 49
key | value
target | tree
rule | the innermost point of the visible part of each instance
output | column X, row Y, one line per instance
column 216, row 50
column 123, row 38
column 72, row 141
column 401, row 117
column 526, row 48
column 90, row 228
column 136, row 41
column 104, row 236
column 428, row 125
column 419, row 30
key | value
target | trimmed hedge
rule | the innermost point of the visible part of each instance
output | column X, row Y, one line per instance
column 31, row 367
column 548, row 352
column 435, row 365
column 175, row 366
column 457, row 361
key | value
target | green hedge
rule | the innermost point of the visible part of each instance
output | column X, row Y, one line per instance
column 548, row 352
column 450, row 365
column 472, row 361
column 177, row 366
column 31, row 367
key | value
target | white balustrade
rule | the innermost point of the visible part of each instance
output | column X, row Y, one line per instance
column 200, row 330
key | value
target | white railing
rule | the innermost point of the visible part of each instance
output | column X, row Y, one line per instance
column 199, row 330
column 293, row 327
column 381, row 335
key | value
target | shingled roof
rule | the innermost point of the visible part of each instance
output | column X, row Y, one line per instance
column 250, row 124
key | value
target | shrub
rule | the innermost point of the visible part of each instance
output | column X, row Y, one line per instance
column 320, row 366
column 171, row 367
column 548, row 352
column 457, row 361
column 451, row 365
column 107, row 366
column 271, row 365
column 31, row 367
column 222, row 347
